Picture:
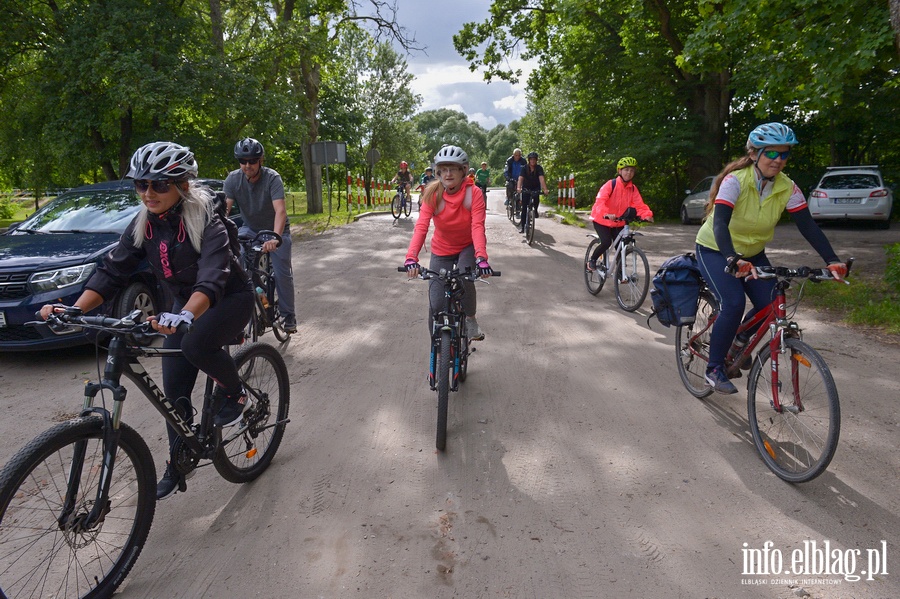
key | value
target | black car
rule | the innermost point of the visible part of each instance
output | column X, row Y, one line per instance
column 49, row 258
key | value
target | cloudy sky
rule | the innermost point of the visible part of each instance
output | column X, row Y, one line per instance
column 443, row 79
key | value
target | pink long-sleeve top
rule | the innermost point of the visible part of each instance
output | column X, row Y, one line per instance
column 456, row 226
column 616, row 201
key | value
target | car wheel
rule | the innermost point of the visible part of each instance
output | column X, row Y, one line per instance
column 136, row 296
column 684, row 216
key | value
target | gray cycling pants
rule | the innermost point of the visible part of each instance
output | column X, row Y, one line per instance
column 464, row 259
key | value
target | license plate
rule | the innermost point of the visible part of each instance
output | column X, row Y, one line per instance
column 848, row 200
column 2, row 318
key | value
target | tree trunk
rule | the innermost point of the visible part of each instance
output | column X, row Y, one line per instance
column 895, row 22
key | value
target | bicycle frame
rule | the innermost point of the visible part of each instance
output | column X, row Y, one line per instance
column 448, row 319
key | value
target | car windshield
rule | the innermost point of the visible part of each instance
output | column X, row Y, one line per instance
column 88, row 212
column 848, row 181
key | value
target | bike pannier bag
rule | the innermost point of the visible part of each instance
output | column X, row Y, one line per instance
column 676, row 290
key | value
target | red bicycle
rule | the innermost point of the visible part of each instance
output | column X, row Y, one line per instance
column 792, row 401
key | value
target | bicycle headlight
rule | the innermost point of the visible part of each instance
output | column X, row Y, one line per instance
column 60, row 278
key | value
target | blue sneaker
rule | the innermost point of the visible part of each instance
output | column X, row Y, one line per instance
column 718, row 380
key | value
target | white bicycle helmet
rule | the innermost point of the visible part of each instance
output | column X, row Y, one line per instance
column 162, row 160
column 452, row 155
column 771, row 134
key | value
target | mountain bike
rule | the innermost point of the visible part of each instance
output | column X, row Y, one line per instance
column 532, row 197
column 77, row 502
column 513, row 205
column 258, row 265
column 792, row 401
column 401, row 204
column 628, row 265
column 450, row 344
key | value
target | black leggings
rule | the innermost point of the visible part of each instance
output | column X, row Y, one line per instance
column 607, row 235
column 529, row 197
column 203, row 349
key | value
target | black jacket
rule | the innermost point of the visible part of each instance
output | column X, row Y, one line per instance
column 214, row 271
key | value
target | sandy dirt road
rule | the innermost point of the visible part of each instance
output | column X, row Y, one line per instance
column 577, row 466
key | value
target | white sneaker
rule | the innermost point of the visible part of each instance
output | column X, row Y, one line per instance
column 473, row 330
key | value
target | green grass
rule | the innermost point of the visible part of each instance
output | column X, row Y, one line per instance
column 866, row 301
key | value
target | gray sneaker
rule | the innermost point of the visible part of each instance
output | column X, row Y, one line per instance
column 473, row 330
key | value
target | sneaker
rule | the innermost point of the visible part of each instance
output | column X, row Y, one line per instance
column 170, row 483
column 592, row 265
column 290, row 324
column 473, row 330
column 717, row 379
column 233, row 410
column 522, row 229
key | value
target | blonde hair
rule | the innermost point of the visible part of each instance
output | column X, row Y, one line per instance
column 433, row 194
column 197, row 210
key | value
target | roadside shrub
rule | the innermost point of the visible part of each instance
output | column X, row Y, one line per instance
column 7, row 208
column 892, row 269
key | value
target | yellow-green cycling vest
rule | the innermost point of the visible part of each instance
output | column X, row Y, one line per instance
column 753, row 222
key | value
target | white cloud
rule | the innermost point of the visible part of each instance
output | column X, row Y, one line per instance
column 488, row 122
column 516, row 103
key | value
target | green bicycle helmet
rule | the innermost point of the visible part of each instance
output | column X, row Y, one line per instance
column 625, row 162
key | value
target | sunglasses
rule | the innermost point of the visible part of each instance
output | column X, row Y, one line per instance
column 158, row 186
column 773, row 154
column 248, row 160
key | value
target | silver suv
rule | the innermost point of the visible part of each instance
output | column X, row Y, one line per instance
column 852, row 193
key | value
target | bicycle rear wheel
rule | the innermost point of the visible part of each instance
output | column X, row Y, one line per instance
column 265, row 377
column 531, row 215
column 797, row 443
column 395, row 207
column 632, row 280
column 517, row 209
column 46, row 549
column 594, row 279
column 692, row 346
column 463, row 353
column 443, row 389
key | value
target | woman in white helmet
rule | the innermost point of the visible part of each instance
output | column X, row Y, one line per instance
column 187, row 245
column 457, row 207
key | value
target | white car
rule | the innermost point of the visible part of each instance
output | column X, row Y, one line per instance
column 852, row 193
column 693, row 207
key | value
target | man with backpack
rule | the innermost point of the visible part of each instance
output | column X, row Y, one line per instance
column 259, row 191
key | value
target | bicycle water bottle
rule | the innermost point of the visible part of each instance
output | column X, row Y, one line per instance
column 262, row 297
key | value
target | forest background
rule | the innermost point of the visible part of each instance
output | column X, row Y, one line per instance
column 678, row 84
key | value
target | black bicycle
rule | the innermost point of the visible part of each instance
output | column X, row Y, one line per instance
column 450, row 344
column 77, row 502
column 258, row 264
column 533, row 198
column 513, row 200
column 401, row 204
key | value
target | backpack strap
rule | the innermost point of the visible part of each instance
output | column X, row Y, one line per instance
column 467, row 202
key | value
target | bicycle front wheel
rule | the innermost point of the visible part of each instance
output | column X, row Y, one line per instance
column 632, row 279
column 407, row 206
column 797, row 442
column 531, row 215
column 594, row 279
column 443, row 389
column 692, row 346
column 265, row 377
column 47, row 548
column 395, row 207
column 517, row 209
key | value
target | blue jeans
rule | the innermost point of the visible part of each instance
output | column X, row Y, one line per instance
column 284, row 274
column 731, row 292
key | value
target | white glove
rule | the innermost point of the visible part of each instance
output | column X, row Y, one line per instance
column 167, row 319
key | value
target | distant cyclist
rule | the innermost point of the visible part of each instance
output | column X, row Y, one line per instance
column 531, row 178
column 483, row 178
column 259, row 191
column 614, row 198
column 745, row 203
column 514, row 166
column 427, row 177
column 457, row 208
column 403, row 176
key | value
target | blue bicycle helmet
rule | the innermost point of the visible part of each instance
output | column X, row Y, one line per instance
column 771, row 134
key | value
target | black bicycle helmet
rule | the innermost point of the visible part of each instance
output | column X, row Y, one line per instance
column 248, row 148
column 162, row 160
column 532, row 155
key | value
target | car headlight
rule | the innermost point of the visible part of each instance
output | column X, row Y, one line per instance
column 51, row 280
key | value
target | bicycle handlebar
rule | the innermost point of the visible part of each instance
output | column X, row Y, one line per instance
column 470, row 275
column 800, row 272
column 264, row 235
column 127, row 325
